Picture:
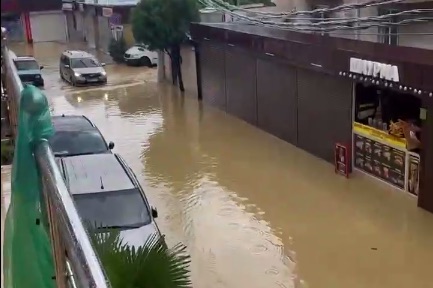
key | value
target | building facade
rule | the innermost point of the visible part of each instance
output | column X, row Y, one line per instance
column 34, row 21
column 402, row 35
column 319, row 93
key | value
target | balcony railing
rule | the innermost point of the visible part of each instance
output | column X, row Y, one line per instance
column 76, row 262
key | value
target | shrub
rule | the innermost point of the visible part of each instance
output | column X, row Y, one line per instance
column 117, row 49
column 7, row 153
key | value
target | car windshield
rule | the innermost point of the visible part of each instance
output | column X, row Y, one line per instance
column 115, row 209
column 68, row 143
column 27, row 65
column 84, row 63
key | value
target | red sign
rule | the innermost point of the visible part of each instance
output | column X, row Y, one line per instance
column 342, row 160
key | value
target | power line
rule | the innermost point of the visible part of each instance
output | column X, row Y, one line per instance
column 373, row 21
column 367, row 4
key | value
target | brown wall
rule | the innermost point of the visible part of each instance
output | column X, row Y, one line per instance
column 240, row 78
column 425, row 199
column 324, row 113
column 212, row 59
column 279, row 98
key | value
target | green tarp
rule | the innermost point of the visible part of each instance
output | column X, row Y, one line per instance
column 28, row 261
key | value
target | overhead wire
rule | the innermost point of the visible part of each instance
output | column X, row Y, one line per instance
column 352, row 6
column 317, row 25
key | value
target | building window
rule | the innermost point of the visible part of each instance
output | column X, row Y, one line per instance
column 389, row 34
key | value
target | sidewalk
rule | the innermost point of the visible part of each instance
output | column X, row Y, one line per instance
column 5, row 201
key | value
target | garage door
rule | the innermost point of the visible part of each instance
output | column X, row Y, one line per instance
column 48, row 26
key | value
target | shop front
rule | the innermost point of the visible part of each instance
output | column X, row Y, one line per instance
column 387, row 126
column 381, row 112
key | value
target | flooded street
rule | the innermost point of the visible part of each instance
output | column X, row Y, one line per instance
column 253, row 210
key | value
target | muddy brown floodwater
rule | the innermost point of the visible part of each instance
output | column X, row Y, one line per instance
column 254, row 211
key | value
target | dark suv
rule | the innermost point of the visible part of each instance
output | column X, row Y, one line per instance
column 107, row 193
column 77, row 135
column 29, row 70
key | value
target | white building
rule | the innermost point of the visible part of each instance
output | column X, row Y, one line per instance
column 413, row 35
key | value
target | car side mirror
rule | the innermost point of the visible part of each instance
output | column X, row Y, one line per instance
column 42, row 67
column 102, row 64
column 154, row 213
column 111, row 145
column 66, row 66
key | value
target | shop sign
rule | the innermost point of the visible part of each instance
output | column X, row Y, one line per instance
column 107, row 12
column 413, row 174
column 374, row 69
column 379, row 135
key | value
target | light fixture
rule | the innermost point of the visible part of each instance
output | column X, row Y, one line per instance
column 405, row 88
column 419, row 92
column 416, row 91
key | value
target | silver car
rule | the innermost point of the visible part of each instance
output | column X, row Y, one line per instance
column 81, row 68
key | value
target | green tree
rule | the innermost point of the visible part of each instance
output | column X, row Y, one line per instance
column 152, row 265
column 162, row 25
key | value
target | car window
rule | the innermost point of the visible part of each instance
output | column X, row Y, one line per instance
column 141, row 49
column 27, row 65
column 68, row 143
column 84, row 63
column 115, row 209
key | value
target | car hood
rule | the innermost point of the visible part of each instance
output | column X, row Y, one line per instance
column 89, row 70
column 29, row 72
column 134, row 51
column 137, row 237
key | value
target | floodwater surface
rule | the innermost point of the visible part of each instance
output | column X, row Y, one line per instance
column 254, row 211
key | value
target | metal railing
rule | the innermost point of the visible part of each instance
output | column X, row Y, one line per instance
column 76, row 262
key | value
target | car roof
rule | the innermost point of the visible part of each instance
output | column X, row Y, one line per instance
column 96, row 173
column 72, row 123
column 78, row 54
column 24, row 58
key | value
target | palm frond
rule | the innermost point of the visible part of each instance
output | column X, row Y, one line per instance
column 152, row 265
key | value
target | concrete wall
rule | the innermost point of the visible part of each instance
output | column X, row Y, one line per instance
column 189, row 71
column 105, row 33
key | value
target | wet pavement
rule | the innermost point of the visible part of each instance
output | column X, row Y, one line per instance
column 253, row 210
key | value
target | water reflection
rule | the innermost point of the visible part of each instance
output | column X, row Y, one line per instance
column 253, row 210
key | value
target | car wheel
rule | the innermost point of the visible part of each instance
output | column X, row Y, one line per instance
column 145, row 61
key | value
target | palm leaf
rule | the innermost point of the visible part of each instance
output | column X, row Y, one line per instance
column 152, row 265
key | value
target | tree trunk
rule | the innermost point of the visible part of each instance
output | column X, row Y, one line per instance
column 161, row 66
column 176, row 69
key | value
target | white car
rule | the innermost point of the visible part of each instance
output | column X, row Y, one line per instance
column 140, row 56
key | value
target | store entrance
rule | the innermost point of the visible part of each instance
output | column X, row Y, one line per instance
column 386, row 141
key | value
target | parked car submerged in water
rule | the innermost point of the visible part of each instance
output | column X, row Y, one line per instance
column 138, row 55
column 29, row 70
column 77, row 135
column 81, row 68
column 108, row 195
